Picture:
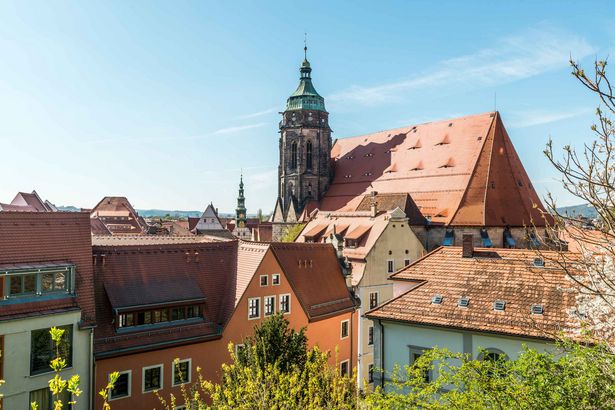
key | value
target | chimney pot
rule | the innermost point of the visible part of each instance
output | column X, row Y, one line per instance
column 467, row 245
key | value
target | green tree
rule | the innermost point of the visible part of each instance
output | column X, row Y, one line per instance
column 292, row 232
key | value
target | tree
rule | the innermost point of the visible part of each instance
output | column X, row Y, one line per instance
column 589, row 174
column 574, row 377
column 292, row 232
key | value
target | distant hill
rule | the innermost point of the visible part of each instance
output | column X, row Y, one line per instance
column 68, row 208
column 153, row 213
column 585, row 210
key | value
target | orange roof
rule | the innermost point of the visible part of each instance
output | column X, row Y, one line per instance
column 358, row 232
column 462, row 171
column 491, row 274
column 314, row 232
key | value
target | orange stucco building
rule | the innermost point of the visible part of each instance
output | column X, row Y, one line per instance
column 225, row 289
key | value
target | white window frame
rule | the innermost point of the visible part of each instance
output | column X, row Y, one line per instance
column 342, row 337
column 129, row 372
column 258, row 316
column 348, row 363
column 143, row 378
column 272, row 306
column 390, row 262
column 370, row 329
column 237, row 347
column 412, row 350
column 278, row 276
column 173, row 368
column 280, row 303
column 260, row 280
column 369, row 300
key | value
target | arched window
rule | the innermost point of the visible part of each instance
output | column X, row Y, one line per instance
column 293, row 155
column 308, row 156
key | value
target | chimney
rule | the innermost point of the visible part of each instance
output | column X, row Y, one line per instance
column 467, row 245
column 373, row 204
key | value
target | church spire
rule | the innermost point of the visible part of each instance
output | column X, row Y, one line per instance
column 240, row 211
column 305, row 96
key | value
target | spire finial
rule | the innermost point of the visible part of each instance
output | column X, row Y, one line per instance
column 305, row 45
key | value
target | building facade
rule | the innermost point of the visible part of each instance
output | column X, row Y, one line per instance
column 45, row 280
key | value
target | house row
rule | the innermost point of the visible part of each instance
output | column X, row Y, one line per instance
column 135, row 304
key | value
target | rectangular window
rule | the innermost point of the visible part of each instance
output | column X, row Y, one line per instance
column 254, row 308
column 182, row 372
column 45, row 401
column 269, row 305
column 370, row 373
column 238, row 348
column 42, row 349
column 370, row 335
column 344, row 329
column 275, row 279
column 344, row 368
column 121, row 388
column 18, row 284
column 390, row 266
column 152, row 378
column 415, row 353
column 264, row 280
column 373, row 299
column 285, row 303
column 406, row 262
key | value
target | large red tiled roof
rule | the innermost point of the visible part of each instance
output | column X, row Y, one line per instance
column 118, row 216
column 491, row 274
column 28, row 202
column 462, row 171
column 315, row 275
column 47, row 238
column 211, row 266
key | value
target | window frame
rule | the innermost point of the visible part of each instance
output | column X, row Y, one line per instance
column 370, row 373
column 38, row 292
column 347, row 363
column 280, row 298
column 258, row 308
column 48, row 369
column 265, row 314
column 370, row 335
column 144, row 369
column 189, row 372
column 342, row 323
column 419, row 350
column 273, row 277
column 407, row 262
column 377, row 293
column 260, row 280
column 390, row 265
column 129, row 385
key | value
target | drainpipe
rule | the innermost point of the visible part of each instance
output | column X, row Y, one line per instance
column 91, row 370
column 359, row 345
column 381, row 353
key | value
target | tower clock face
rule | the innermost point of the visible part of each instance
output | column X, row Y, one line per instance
column 241, row 215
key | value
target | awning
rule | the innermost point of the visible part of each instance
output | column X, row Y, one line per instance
column 315, row 232
column 138, row 295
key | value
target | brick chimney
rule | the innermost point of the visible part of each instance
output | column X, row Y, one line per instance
column 467, row 245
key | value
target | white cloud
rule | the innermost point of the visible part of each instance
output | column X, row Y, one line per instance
column 258, row 114
column 526, row 54
column 239, row 128
column 525, row 119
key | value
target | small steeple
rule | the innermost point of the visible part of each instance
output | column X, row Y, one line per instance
column 240, row 211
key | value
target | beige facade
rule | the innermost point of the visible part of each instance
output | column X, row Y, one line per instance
column 17, row 353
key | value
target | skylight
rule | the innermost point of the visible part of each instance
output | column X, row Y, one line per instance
column 539, row 262
column 436, row 300
column 499, row 305
column 463, row 302
column 538, row 310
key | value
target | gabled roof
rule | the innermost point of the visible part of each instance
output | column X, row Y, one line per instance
column 462, row 171
column 507, row 275
column 315, row 275
column 112, row 209
column 28, row 202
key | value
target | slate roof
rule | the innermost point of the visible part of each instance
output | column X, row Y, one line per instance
column 460, row 172
column 491, row 274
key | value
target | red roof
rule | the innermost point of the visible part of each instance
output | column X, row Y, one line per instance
column 462, row 171
column 28, row 202
column 118, row 216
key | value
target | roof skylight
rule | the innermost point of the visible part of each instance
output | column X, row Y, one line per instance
column 464, row 301
column 436, row 300
column 499, row 305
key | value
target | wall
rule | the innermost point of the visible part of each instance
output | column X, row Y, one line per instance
column 397, row 242
column 399, row 337
column 16, row 355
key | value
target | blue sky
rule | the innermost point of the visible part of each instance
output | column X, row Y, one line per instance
column 165, row 102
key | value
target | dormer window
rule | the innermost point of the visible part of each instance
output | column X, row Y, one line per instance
column 36, row 282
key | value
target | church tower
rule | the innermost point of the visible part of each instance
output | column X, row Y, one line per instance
column 241, row 228
column 304, row 170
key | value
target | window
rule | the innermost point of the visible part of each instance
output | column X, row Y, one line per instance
column 373, row 299
column 264, row 280
column 344, row 368
column 46, row 281
column 42, row 349
column 182, row 371
column 239, row 348
column 152, row 378
column 45, row 400
column 275, row 279
column 308, row 156
column 150, row 317
column 344, row 330
column 285, row 303
column 293, row 155
column 254, row 308
column 390, row 266
column 415, row 353
column 370, row 335
column 269, row 305
column 122, row 386
column 370, row 373
column 406, row 262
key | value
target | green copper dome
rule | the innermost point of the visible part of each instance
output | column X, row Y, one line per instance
column 305, row 96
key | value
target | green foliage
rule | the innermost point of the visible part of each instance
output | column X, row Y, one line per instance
column 292, row 232
column 577, row 377
column 274, row 342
